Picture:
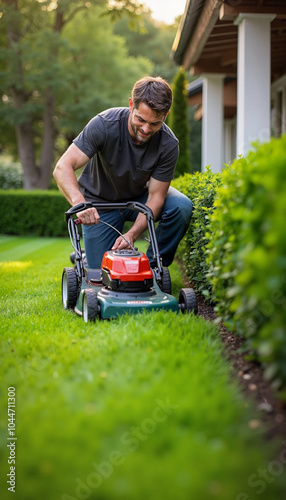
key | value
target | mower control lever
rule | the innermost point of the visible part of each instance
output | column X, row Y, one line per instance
column 78, row 222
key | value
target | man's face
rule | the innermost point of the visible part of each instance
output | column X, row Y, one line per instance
column 143, row 122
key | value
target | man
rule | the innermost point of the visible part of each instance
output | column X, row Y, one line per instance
column 129, row 155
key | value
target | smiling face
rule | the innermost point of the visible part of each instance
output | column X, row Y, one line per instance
column 143, row 122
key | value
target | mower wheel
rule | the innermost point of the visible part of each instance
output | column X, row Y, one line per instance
column 188, row 301
column 90, row 306
column 166, row 285
column 69, row 288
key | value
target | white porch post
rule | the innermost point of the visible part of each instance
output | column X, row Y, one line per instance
column 253, row 79
column 212, row 127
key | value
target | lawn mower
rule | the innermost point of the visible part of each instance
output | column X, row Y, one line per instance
column 125, row 283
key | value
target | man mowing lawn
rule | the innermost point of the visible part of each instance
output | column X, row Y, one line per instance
column 129, row 155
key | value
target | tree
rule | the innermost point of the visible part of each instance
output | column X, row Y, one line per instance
column 178, row 121
column 32, row 75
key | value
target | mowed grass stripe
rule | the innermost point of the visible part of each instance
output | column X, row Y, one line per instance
column 32, row 285
column 19, row 248
column 4, row 238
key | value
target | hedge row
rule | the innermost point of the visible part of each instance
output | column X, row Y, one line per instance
column 38, row 213
column 246, row 254
column 201, row 189
column 243, row 249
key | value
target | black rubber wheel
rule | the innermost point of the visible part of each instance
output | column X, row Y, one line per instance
column 166, row 285
column 72, row 257
column 69, row 288
column 188, row 301
column 83, row 256
column 90, row 306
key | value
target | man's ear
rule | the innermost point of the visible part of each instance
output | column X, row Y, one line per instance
column 130, row 104
column 166, row 114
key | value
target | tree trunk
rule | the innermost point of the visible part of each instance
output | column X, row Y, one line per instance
column 24, row 129
column 24, row 134
column 25, row 141
column 48, row 145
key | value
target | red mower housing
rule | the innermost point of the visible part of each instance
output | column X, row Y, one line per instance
column 126, row 270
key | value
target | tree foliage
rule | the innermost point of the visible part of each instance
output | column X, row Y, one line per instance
column 98, row 71
column 43, row 78
column 152, row 40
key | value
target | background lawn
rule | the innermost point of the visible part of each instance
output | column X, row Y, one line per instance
column 142, row 407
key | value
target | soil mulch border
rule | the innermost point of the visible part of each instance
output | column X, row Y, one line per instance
column 271, row 411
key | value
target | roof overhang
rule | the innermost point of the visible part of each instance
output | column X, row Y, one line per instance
column 206, row 40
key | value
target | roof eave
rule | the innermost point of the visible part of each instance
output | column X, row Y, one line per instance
column 186, row 29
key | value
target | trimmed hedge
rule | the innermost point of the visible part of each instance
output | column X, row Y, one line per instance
column 246, row 253
column 201, row 189
column 39, row 213
column 235, row 249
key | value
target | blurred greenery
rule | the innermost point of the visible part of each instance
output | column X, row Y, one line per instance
column 11, row 175
column 153, row 41
column 178, row 121
column 140, row 407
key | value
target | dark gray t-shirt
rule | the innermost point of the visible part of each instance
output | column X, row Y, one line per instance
column 119, row 169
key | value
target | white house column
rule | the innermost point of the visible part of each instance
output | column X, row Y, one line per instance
column 212, row 126
column 253, row 79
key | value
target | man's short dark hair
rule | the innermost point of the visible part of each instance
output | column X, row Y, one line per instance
column 155, row 92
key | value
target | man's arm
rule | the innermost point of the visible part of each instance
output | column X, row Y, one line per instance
column 64, row 174
column 157, row 192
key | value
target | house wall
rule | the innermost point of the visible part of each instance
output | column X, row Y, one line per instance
column 278, row 115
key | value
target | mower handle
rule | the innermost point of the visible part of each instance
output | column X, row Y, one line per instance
column 130, row 205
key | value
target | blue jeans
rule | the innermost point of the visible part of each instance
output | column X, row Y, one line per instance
column 174, row 220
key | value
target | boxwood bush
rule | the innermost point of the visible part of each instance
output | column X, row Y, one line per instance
column 11, row 175
column 38, row 213
column 201, row 189
column 246, row 253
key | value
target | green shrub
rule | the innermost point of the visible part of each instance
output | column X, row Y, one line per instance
column 178, row 121
column 246, row 253
column 201, row 189
column 39, row 213
column 11, row 176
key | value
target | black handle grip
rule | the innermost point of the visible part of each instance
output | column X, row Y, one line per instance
column 130, row 205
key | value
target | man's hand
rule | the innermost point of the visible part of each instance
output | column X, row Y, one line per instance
column 89, row 216
column 156, row 197
column 120, row 243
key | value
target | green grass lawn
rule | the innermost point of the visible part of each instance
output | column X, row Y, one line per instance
column 138, row 408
